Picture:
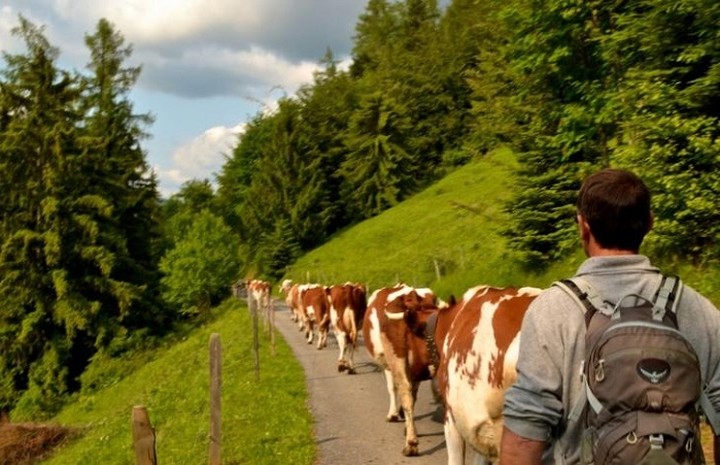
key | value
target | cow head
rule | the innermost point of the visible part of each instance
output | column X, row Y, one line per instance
column 419, row 308
column 286, row 285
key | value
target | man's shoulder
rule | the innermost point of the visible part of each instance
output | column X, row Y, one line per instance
column 553, row 301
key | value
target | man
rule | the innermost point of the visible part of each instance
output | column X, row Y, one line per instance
column 613, row 216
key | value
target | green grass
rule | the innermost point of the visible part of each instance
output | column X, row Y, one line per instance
column 263, row 422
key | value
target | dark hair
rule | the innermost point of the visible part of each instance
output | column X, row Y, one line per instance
column 616, row 205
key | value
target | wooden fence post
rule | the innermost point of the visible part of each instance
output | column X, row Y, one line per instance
column 272, row 326
column 215, row 391
column 143, row 437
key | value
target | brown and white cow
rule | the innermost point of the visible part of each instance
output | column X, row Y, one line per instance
column 477, row 340
column 401, row 352
column 292, row 300
column 347, row 309
column 315, row 310
column 260, row 296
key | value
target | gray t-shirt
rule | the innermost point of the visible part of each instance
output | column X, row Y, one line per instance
column 552, row 348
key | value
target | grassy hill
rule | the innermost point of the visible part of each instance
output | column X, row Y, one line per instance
column 446, row 237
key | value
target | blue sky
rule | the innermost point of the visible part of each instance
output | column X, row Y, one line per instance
column 208, row 65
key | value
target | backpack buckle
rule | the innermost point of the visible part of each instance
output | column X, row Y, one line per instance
column 656, row 441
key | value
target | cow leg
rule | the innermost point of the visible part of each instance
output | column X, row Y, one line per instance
column 351, row 341
column 407, row 395
column 454, row 443
column 342, row 347
column 351, row 356
column 309, row 331
column 393, row 412
column 323, row 329
column 322, row 337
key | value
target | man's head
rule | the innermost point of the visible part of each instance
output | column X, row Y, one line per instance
column 614, row 205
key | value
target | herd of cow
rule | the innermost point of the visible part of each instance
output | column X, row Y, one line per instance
column 469, row 347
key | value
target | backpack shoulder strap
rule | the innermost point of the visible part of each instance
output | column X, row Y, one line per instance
column 585, row 296
column 590, row 302
column 667, row 296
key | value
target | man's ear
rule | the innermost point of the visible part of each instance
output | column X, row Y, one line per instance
column 584, row 227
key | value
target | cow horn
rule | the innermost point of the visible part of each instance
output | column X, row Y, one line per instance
column 395, row 315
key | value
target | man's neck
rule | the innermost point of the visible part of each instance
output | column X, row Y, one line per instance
column 593, row 249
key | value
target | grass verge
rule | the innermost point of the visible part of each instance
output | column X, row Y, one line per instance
column 264, row 422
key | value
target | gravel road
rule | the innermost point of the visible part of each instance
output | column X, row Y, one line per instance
column 350, row 410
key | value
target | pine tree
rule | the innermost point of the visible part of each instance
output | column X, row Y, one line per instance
column 116, row 171
column 41, row 313
column 378, row 167
column 325, row 108
column 287, row 185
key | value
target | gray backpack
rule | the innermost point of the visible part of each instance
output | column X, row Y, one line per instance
column 641, row 378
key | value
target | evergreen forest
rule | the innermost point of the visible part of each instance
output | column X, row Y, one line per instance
column 93, row 261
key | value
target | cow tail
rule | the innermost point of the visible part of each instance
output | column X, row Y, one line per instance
column 360, row 298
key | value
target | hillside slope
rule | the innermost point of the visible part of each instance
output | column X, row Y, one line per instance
column 447, row 237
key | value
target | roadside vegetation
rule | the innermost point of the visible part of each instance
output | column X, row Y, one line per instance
column 264, row 421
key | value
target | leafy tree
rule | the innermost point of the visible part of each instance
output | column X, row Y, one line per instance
column 180, row 210
column 417, row 80
column 565, row 88
column 671, row 94
column 617, row 84
column 375, row 31
column 278, row 249
column 198, row 270
column 480, row 34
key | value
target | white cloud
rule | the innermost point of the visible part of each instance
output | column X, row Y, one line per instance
column 213, row 71
column 162, row 21
column 201, row 157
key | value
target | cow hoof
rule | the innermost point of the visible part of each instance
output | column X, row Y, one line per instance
column 342, row 367
column 394, row 418
column 351, row 371
column 410, row 450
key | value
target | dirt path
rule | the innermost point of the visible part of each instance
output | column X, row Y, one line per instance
column 350, row 410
